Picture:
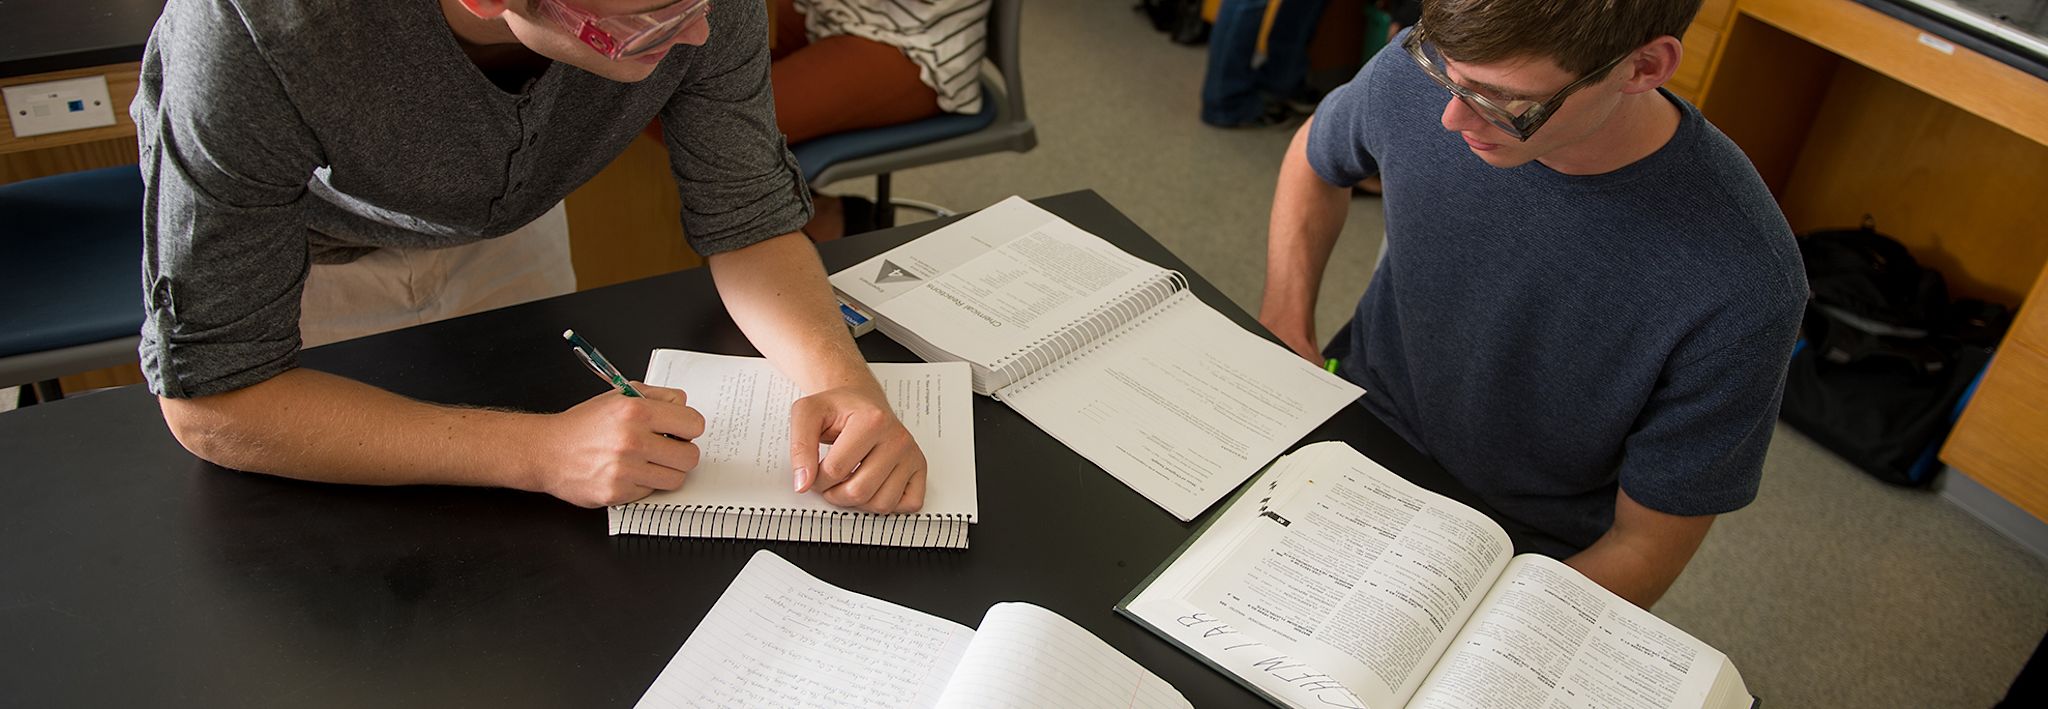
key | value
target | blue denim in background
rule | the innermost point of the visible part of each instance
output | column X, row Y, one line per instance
column 1234, row 92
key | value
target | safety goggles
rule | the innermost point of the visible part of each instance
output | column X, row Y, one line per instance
column 1518, row 117
column 621, row 36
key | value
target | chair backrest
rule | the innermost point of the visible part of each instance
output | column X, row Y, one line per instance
column 1010, row 131
column 72, row 301
column 1004, row 19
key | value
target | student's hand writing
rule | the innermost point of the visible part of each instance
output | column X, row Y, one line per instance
column 610, row 450
column 874, row 465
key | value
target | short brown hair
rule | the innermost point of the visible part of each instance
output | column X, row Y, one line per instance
column 1579, row 35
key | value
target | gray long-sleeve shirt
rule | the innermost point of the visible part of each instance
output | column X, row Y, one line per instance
column 280, row 133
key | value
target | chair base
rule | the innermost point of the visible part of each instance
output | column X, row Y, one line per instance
column 935, row 210
column 885, row 205
column 885, row 209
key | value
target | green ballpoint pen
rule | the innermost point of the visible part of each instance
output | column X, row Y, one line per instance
column 597, row 363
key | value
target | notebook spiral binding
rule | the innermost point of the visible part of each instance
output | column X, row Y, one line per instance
column 792, row 525
column 1099, row 322
column 1097, row 343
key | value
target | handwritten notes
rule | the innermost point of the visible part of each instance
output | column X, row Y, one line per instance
column 779, row 637
column 1025, row 657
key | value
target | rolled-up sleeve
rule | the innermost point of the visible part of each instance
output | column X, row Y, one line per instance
column 225, row 160
column 739, row 183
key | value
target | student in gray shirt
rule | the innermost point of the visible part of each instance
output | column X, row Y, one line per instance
column 282, row 140
column 1588, row 297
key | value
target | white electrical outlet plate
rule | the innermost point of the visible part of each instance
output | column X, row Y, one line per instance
column 58, row 106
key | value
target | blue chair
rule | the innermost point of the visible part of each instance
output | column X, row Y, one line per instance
column 1001, row 126
column 73, row 294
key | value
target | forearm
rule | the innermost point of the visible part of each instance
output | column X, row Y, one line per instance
column 315, row 426
column 1643, row 553
column 1629, row 572
column 1308, row 214
column 777, row 293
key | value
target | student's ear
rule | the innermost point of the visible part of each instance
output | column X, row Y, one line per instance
column 485, row 9
column 1648, row 68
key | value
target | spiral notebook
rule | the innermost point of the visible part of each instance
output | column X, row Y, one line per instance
column 742, row 485
column 1106, row 352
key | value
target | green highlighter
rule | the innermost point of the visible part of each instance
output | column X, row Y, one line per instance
column 1330, row 365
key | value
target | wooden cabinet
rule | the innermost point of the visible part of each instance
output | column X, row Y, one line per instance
column 626, row 223
column 2002, row 439
column 1702, row 41
column 1847, row 112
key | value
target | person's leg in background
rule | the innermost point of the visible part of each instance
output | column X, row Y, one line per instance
column 839, row 84
column 1400, row 14
column 1230, row 88
column 1284, row 74
column 1237, row 94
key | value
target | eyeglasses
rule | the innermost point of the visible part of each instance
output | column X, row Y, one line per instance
column 1517, row 117
column 620, row 36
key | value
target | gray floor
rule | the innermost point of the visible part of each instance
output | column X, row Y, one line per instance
column 1832, row 590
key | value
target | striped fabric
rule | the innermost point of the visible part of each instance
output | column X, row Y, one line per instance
column 945, row 38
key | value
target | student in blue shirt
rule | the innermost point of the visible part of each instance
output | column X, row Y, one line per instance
column 1588, row 297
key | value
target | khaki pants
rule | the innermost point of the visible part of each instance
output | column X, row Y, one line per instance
column 396, row 288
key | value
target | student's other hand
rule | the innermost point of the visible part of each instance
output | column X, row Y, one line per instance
column 610, row 450
column 1298, row 335
column 874, row 465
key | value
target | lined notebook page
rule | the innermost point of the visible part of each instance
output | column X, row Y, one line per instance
column 780, row 638
column 1027, row 656
column 745, row 446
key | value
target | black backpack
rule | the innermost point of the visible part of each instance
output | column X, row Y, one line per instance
column 1886, row 361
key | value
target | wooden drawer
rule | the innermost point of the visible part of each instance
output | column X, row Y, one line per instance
column 2002, row 439
column 2031, row 323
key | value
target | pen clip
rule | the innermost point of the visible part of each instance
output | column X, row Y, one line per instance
column 597, row 363
column 584, row 357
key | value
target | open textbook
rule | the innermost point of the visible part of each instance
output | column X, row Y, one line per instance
column 1109, row 354
column 1333, row 582
column 779, row 637
column 742, row 485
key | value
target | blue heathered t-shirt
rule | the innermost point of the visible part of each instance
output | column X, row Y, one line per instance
column 1545, row 336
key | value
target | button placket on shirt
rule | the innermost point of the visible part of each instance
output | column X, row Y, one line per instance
column 528, row 111
column 516, row 165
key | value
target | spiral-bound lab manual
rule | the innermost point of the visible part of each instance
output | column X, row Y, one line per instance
column 1108, row 353
column 743, row 487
